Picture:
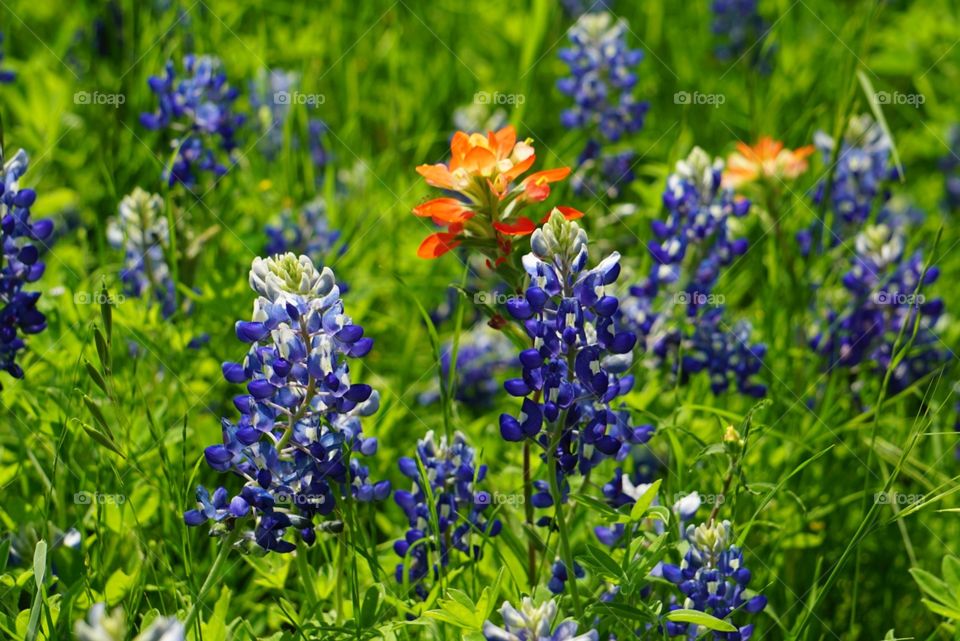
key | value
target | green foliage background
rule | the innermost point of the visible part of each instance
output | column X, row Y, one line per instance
column 392, row 74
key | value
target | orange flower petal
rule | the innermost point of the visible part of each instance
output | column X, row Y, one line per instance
column 437, row 175
column 436, row 245
column 523, row 227
column 548, row 176
column 459, row 146
column 444, row 210
column 502, row 141
column 480, row 161
column 570, row 213
column 518, row 169
column 536, row 192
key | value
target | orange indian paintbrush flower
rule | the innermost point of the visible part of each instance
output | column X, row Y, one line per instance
column 484, row 172
column 767, row 159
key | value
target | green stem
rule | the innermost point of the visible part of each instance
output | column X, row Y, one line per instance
column 564, row 537
column 211, row 577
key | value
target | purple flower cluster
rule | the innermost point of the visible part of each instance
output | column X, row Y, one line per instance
column 692, row 246
column 6, row 76
column 299, row 436
column 879, row 299
column 601, row 83
column 725, row 353
column 603, row 174
column 570, row 376
column 740, row 31
column 534, row 622
column 625, row 490
column 483, row 353
column 862, row 166
column 141, row 231
column 602, row 78
column 198, row 111
column 443, row 510
column 22, row 241
column 713, row 579
column 697, row 239
column 304, row 231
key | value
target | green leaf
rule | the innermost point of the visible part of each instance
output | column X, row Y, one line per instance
column 933, row 586
column 701, row 618
column 368, row 611
column 40, row 563
column 951, row 574
column 942, row 610
column 103, row 349
column 101, row 438
column 98, row 415
column 96, row 376
column 602, row 562
column 640, row 507
column 39, row 572
column 118, row 585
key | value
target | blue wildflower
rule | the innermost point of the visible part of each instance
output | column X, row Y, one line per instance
column 457, row 512
column 6, row 76
column 741, row 31
column 559, row 576
column 879, row 298
column 304, row 231
column 483, row 353
column 698, row 239
column 862, row 166
column 622, row 490
column 297, row 442
column 198, row 110
column 534, row 623
column 141, row 231
column 23, row 241
column 714, row 580
column 602, row 78
column 601, row 83
column 101, row 625
column 603, row 174
column 570, row 376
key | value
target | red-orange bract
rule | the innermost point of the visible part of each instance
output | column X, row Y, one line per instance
column 484, row 172
column 767, row 158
